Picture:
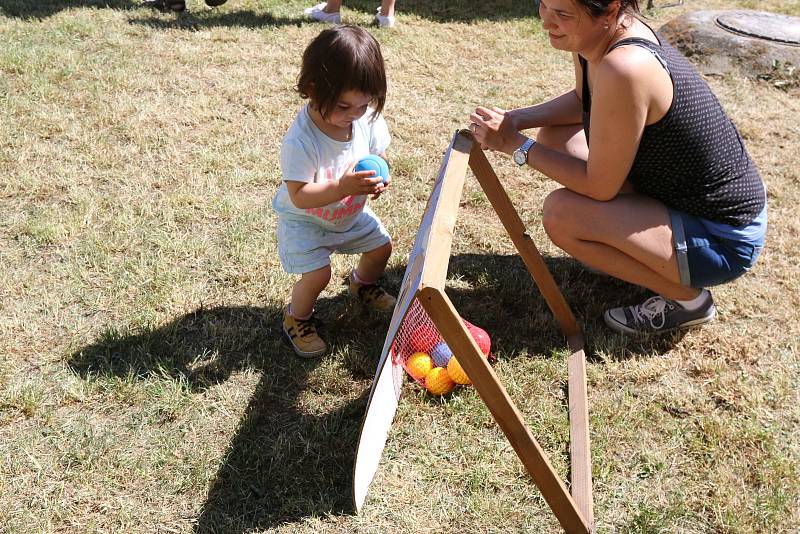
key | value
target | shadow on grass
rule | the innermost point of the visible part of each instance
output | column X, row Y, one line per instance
column 200, row 18
column 453, row 10
column 284, row 464
column 41, row 9
column 288, row 460
column 495, row 301
column 197, row 16
column 436, row 11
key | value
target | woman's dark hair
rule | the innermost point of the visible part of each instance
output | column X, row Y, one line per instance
column 340, row 59
column 598, row 8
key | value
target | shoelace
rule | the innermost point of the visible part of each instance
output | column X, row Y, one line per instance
column 370, row 292
column 305, row 327
column 649, row 310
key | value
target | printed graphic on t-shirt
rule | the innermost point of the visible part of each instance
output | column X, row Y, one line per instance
column 342, row 212
column 310, row 156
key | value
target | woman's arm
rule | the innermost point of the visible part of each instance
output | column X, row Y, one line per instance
column 620, row 102
column 623, row 91
column 563, row 109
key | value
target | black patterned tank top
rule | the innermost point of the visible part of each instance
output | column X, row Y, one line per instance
column 693, row 159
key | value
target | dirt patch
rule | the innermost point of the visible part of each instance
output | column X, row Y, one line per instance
column 754, row 44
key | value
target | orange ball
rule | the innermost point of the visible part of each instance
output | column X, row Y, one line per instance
column 419, row 365
column 438, row 382
column 456, row 372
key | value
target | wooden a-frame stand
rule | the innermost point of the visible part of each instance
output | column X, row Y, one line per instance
column 574, row 511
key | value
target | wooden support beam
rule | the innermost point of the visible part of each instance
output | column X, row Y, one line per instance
column 455, row 334
column 522, row 241
column 580, row 452
column 579, row 446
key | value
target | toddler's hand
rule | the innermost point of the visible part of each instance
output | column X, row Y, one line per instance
column 382, row 187
column 360, row 182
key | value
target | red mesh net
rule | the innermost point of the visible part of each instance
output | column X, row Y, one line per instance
column 418, row 334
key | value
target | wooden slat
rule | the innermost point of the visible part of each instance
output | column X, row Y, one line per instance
column 579, row 447
column 522, row 241
column 441, row 232
column 508, row 417
column 580, row 451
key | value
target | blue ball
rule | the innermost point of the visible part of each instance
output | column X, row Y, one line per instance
column 441, row 354
column 374, row 163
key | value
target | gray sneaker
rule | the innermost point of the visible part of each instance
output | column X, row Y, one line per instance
column 658, row 314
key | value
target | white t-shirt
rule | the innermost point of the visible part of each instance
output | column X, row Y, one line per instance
column 308, row 155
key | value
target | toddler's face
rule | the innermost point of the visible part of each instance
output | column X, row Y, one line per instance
column 351, row 106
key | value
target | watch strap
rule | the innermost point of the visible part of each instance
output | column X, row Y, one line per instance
column 523, row 150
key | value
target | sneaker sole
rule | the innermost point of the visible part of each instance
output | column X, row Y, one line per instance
column 299, row 352
column 312, row 18
column 622, row 329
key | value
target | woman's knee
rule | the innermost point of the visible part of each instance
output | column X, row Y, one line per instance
column 557, row 213
column 569, row 139
column 549, row 137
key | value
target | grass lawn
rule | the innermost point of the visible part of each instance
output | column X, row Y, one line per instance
column 144, row 386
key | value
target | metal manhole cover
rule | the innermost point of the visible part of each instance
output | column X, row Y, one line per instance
column 769, row 26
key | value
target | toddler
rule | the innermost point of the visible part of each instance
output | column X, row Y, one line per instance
column 322, row 202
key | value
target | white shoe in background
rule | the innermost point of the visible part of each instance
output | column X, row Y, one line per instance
column 384, row 22
column 318, row 13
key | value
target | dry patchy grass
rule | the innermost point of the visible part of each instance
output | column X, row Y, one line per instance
column 143, row 383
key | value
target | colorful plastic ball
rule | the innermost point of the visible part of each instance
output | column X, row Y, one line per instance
column 419, row 365
column 457, row 373
column 438, row 382
column 480, row 336
column 423, row 338
column 374, row 163
column 441, row 354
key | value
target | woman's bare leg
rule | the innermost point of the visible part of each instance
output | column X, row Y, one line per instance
column 333, row 6
column 387, row 8
column 628, row 237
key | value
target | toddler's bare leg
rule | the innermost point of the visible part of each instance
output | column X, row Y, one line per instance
column 307, row 289
column 373, row 263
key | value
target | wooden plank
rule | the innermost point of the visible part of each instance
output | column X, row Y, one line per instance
column 508, row 417
column 446, row 210
column 580, row 450
column 522, row 241
column 579, row 447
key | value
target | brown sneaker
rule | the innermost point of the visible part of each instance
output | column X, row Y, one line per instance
column 303, row 336
column 372, row 295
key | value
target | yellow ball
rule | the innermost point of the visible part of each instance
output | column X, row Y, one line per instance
column 439, row 382
column 419, row 365
column 456, row 372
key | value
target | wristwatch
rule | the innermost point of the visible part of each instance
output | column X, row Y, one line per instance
column 520, row 155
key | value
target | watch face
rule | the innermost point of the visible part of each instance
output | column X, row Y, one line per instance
column 519, row 157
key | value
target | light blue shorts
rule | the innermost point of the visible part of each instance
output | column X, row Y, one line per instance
column 706, row 260
column 304, row 246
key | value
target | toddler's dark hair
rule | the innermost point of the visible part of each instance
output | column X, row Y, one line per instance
column 340, row 59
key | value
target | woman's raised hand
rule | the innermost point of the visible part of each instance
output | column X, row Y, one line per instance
column 494, row 129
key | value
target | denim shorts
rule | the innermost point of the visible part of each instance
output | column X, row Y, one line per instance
column 705, row 259
column 304, row 246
